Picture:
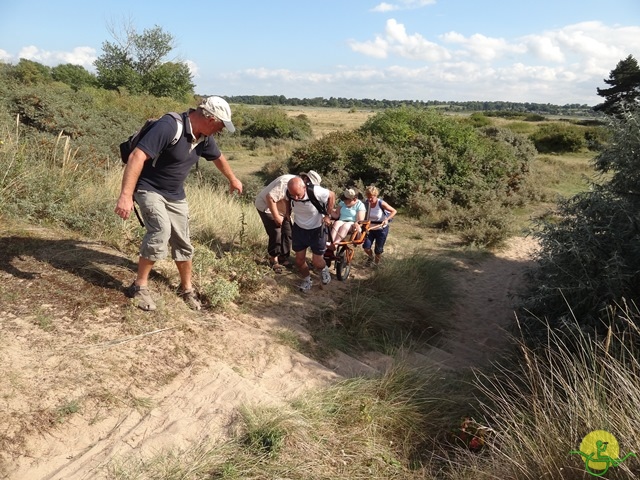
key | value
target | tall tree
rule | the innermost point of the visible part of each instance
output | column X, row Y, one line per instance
column 76, row 76
column 30, row 72
column 136, row 62
column 624, row 81
column 169, row 80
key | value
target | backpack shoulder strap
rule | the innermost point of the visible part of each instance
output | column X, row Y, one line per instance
column 179, row 128
column 321, row 207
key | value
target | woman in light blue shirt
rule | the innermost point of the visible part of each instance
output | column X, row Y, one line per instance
column 347, row 211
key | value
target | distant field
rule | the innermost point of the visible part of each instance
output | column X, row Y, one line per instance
column 322, row 120
column 326, row 120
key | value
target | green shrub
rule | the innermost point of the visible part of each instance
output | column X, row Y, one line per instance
column 478, row 119
column 534, row 117
column 275, row 123
column 590, row 253
column 558, row 138
column 486, row 224
column 219, row 291
column 596, row 138
column 409, row 151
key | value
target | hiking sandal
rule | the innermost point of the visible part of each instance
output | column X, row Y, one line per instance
column 277, row 268
column 190, row 297
column 142, row 297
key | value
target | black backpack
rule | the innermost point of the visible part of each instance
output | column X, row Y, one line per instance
column 321, row 207
column 129, row 145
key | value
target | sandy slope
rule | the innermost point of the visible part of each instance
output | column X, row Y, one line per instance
column 144, row 383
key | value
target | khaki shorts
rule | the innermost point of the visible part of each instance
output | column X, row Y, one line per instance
column 167, row 223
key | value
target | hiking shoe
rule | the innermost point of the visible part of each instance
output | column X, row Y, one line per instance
column 190, row 297
column 142, row 297
column 326, row 276
column 306, row 285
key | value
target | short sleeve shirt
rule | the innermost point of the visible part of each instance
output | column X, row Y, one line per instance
column 349, row 214
column 305, row 214
column 277, row 190
column 166, row 175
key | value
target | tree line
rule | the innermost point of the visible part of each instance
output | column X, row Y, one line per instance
column 447, row 106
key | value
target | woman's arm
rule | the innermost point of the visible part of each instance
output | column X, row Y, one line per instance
column 335, row 213
column 392, row 211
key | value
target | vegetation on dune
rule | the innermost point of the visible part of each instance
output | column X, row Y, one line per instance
column 470, row 175
column 460, row 175
column 589, row 258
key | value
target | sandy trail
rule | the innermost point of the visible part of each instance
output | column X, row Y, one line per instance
column 244, row 365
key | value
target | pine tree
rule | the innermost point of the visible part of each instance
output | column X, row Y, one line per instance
column 625, row 88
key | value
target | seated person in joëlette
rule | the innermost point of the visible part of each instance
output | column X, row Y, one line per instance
column 348, row 211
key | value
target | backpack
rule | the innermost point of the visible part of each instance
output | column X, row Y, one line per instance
column 321, row 207
column 129, row 145
column 386, row 214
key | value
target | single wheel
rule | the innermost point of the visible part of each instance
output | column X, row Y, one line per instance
column 343, row 268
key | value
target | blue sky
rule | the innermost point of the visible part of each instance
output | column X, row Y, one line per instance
column 543, row 51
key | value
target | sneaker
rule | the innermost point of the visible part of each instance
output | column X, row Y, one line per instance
column 190, row 297
column 142, row 296
column 306, row 285
column 326, row 276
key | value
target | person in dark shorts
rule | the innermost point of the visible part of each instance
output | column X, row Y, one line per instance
column 271, row 204
column 380, row 214
column 309, row 228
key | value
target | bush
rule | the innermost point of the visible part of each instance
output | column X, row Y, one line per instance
column 275, row 123
column 486, row 224
column 410, row 151
column 590, row 253
column 478, row 119
column 558, row 138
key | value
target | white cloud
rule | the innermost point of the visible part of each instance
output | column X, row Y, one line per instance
column 84, row 56
column 564, row 65
column 396, row 41
column 585, row 43
column 193, row 68
column 378, row 48
column 5, row 56
column 384, row 7
column 545, row 49
column 481, row 47
column 402, row 5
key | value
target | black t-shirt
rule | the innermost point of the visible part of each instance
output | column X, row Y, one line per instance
column 167, row 174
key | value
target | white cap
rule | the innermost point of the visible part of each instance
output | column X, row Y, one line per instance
column 349, row 194
column 313, row 176
column 219, row 107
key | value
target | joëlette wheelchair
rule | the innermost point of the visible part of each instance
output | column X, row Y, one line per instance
column 345, row 250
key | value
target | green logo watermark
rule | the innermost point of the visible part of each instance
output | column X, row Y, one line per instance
column 600, row 451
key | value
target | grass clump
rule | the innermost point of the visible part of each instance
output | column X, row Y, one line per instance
column 403, row 298
column 362, row 428
column 541, row 409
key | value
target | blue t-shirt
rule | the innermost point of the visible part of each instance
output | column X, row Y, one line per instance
column 348, row 214
column 174, row 163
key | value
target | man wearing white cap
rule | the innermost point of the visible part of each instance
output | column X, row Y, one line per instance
column 154, row 176
column 271, row 204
